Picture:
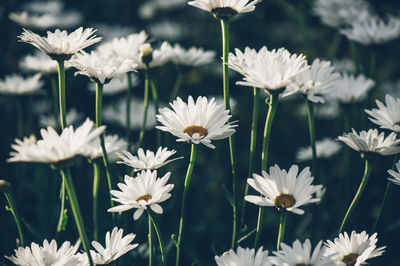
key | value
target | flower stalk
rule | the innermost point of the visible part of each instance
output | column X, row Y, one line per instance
column 311, row 127
column 96, row 183
column 150, row 239
column 61, row 93
column 282, row 228
column 12, row 208
column 63, row 212
column 145, row 106
column 128, row 109
column 159, row 236
column 177, row 84
column 154, row 93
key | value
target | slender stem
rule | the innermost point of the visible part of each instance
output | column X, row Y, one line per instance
column 20, row 118
column 232, row 146
column 73, row 200
column 282, row 227
column 145, row 106
column 367, row 173
column 311, row 127
column 273, row 105
column 61, row 94
column 177, row 85
column 253, row 142
column 61, row 219
column 54, row 94
column 128, row 109
column 13, row 210
column 99, row 115
column 184, row 197
column 154, row 93
column 96, row 183
column 159, row 236
column 150, row 238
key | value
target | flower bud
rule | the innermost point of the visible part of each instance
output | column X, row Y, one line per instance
column 146, row 53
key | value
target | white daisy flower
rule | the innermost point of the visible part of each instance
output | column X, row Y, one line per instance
column 113, row 145
column 244, row 256
column 100, row 68
column 337, row 13
column 72, row 117
column 224, row 9
column 54, row 148
column 46, row 20
column 372, row 142
column 116, row 86
column 110, row 31
column 40, row 62
column 60, row 45
column 373, row 30
column 168, row 30
column 193, row 57
column 388, row 116
column 326, row 148
column 140, row 192
column 115, row 247
column 241, row 61
column 17, row 85
column 148, row 160
column 283, row 189
column 273, row 70
column 354, row 250
column 396, row 175
column 197, row 122
column 301, row 254
column 314, row 82
column 46, row 255
column 349, row 89
column 154, row 58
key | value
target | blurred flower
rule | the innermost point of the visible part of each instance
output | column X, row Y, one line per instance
column 17, row 85
column 196, row 122
column 147, row 161
column 158, row 57
column 113, row 145
column 54, row 148
column 314, row 82
column 59, row 44
column 223, row 9
column 100, row 68
column 49, row 6
column 117, row 114
column 140, row 192
column 167, row 30
column 391, row 87
column 284, row 189
column 40, row 62
column 73, row 117
column 373, row 30
column 244, row 256
column 111, row 31
column 388, row 116
column 48, row 254
column 325, row 148
column 116, row 246
column 372, row 142
column 116, row 86
column 46, row 20
column 337, row 13
column 300, row 254
column 193, row 57
column 149, row 8
column 396, row 175
column 233, row 103
column 328, row 110
column 354, row 250
column 344, row 65
column 349, row 89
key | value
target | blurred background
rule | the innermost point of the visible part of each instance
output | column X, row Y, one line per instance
column 275, row 23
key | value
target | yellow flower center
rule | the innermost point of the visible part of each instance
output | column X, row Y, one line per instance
column 350, row 259
column 196, row 129
column 146, row 197
column 284, row 201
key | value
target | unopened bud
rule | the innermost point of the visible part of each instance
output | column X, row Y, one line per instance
column 146, row 53
column 4, row 186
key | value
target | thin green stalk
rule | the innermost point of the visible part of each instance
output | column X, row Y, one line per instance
column 177, row 84
column 253, row 142
column 61, row 220
column 154, row 93
column 54, row 95
column 61, row 93
column 128, row 109
column 282, row 228
column 159, row 236
column 184, row 197
column 367, row 173
column 73, row 200
column 20, row 118
column 150, row 238
column 273, row 105
column 311, row 127
column 99, row 116
column 11, row 207
column 96, row 183
column 232, row 146
column 145, row 106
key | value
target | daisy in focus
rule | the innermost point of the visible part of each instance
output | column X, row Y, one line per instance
column 396, row 175
column 284, row 190
column 148, row 160
column 244, row 256
column 18, row 85
column 386, row 116
column 196, row 122
column 326, row 148
column 354, row 250
column 141, row 192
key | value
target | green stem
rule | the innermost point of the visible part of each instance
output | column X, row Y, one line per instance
column 367, row 173
column 150, row 238
column 154, row 93
column 61, row 88
column 73, row 200
column 99, row 116
column 184, row 197
column 311, row 127
column 61, row 219
column 159, row 236
column 13, row 210
column 273, row 105
column 128, row 109
column 282, row 227
column 96, row 183
column 145, row 106
column 232, row 146
column 177, row 85
column 20, row 118
column 253, row 142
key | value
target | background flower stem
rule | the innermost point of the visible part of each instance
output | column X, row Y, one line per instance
column 311, row 128
column 61, row 93
column 154, row 93
column 12, row 208
column 61, row 220
column 150, row 239
column 177, row 84
column 54, row 94
column 96, row 182
column 145, row 107
column 128, row 109
column 159, row 236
